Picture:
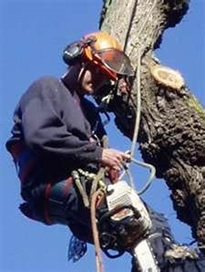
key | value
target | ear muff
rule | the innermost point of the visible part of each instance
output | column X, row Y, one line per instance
column 73, row 52
column 76, row 50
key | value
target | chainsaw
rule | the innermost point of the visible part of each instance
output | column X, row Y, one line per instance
column 125, row 226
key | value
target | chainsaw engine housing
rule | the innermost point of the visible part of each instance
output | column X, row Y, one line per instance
column 126, row 222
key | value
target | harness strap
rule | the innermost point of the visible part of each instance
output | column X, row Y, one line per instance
column 55, row 193
column 96, row 180
column 24, row 160
column 82, row 191
column 48, row 219
column 16, row 149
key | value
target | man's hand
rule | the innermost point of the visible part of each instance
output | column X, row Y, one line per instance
column 113, row 158
column 124, row 86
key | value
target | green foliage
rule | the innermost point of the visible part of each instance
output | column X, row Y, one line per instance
column 194, row 104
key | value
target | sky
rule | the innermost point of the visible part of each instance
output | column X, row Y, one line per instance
column 33, row 35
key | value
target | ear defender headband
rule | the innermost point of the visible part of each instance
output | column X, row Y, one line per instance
column 74, row 51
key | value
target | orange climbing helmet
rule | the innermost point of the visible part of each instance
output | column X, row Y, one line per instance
column 103, row 50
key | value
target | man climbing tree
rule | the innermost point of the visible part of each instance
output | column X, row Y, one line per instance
column 59, row 147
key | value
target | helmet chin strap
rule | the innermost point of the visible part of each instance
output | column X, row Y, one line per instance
column 72, row 78
column 81, row 72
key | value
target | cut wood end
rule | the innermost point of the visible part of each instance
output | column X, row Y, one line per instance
column 167, row 77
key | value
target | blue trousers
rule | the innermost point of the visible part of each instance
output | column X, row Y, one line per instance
column 59, row 203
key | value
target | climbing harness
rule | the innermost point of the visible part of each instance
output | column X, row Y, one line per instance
column 91, row 180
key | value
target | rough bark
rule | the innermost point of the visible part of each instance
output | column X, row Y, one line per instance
column 172, row 124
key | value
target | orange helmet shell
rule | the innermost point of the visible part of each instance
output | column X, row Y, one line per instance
column 103, row 50
column 101, row 41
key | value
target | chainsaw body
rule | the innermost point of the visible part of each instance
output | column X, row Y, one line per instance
column 126, row 225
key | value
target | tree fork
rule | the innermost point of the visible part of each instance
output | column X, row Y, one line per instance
column 172, row 124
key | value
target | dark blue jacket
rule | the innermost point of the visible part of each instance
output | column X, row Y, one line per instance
column 55, row 128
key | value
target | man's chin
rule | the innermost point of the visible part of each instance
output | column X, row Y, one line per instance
column 89, row 92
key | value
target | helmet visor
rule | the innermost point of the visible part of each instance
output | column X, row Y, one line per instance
column 116, row 61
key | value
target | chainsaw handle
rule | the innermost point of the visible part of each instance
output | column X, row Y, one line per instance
column 113, row 256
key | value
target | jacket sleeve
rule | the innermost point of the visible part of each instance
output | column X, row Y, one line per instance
column 44, row 131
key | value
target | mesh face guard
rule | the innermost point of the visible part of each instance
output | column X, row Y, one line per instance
column 116, row 61
column 111, row 61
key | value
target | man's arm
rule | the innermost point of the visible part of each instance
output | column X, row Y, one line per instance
column 44, row 130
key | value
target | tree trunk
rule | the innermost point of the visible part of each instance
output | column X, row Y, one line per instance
column 172, row 124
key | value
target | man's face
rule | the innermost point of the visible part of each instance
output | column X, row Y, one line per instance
column 91, row 78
